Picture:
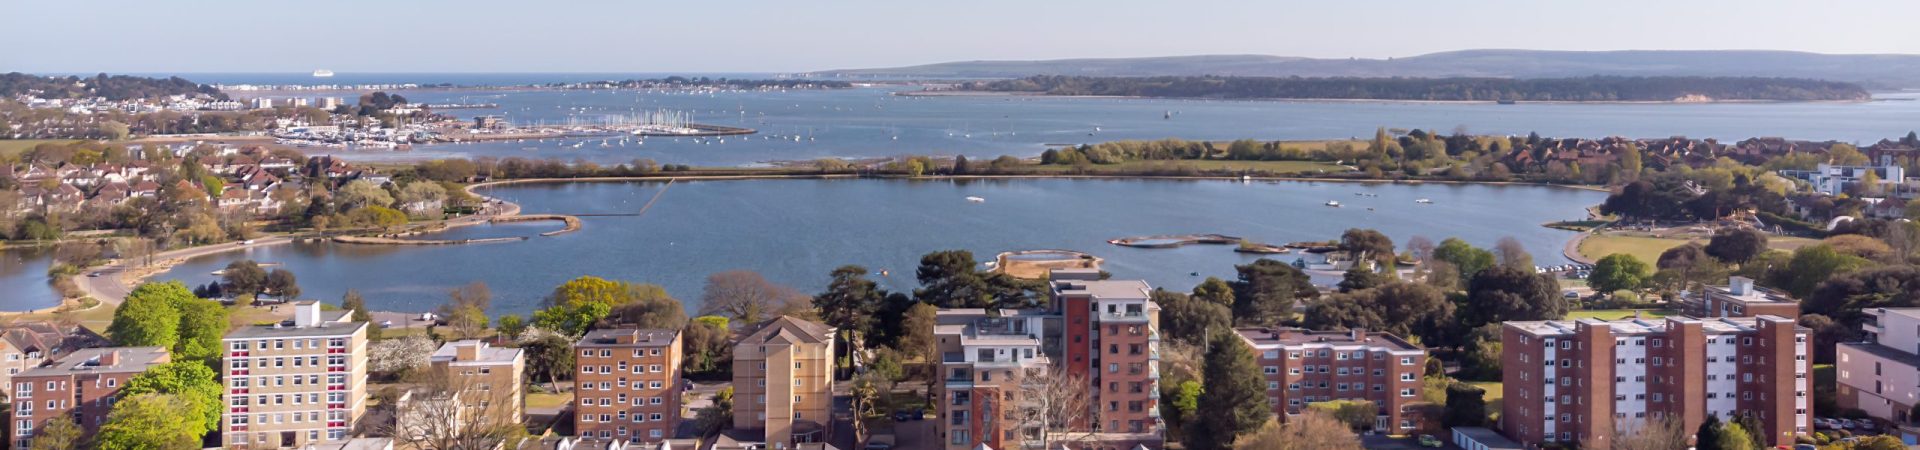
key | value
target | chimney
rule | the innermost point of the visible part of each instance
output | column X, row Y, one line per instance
column 1359, row 334
column 110, row 358
column 306, row 314
column 1739, row 286
column 468, row 351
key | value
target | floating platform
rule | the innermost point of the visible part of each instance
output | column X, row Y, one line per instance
column 1174, row 240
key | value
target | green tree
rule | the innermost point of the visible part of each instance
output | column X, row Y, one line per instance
column 577, row 304
column 511, row 326
column 949, row 279
column 190, row 381
column 1711, row 435
column 58, row 433
column 1190, row 320
column 148, row 318
column 551, row 358
column 850, row 300
column 1366, row 243
column 1466, row 406
column 1465, row 259
column 1214, row 290
column 283, row 284
column 203, row 323
column 918, row 326
column 362, row 193
column 1733, row 437
column 1265, row 291
column 1360, row 277
column 1235, row 395
column 150, row 422
column 1736, row 246
column 243, row 277
column 1619, row 271
column 1184, row 400
column 1810, row 266
column 352, row 301
column 1503, row 294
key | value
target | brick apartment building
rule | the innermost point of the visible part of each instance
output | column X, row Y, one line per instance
column 297, row 382
column 783, row 383
column 1740, row 298
column 1882, row 375
column 628, row 387
column 1582, row 380
column 24, row 346
column 82, row 385
column 1103, row 331
column 1303, row 367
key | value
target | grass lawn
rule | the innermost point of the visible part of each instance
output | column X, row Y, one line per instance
column 1648, row 249
column 545, row 400
column 1617, row 314
column 15, row 146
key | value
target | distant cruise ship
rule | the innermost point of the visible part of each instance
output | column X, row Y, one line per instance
column 323, row 73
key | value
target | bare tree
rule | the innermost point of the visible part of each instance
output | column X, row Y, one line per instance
column 1054, row 407
column 1311, row 430
column 1512, row 253
column 449, row 411
column 466, row 308
column 747, row 297
column 1650, row 434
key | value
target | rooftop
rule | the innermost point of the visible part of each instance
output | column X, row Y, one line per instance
column 450, row 352
column 643, row 337
column 1284, row 336
column 1105, row 289
column 1743, row 289
column 104, row 360
column 792, row 330
column 287, row 329
column 1636, row 325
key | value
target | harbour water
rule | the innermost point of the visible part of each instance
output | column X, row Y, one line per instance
column 795, row 231
column 871, row 122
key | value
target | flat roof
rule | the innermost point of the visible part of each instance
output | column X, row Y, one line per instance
column 131, row 360
column 1647, row 325
column 449, row 352
column 1488, row 438
column 1107, row 289
column 281, row 330
column 643, row 337
column 1284, row 336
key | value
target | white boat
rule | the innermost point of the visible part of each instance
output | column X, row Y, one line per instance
column 976, row 199
column 1333, row 203
column 322, row 73
column 1424, row 201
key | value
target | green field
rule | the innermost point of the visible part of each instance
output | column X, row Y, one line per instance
column 1617, row 314
column 15, row 146
column 1648, row 249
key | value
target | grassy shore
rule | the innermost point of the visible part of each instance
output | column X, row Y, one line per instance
column 1648, row 248
column 15, row 146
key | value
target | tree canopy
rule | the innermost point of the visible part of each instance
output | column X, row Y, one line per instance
column 151, row 422
column 1266, row 289
column 1618, row 271
column 1235, row 395
column 190, row 381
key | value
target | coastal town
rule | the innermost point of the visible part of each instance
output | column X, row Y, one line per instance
column 1130, row 225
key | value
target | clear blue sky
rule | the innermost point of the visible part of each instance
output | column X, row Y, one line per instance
column 791, row 36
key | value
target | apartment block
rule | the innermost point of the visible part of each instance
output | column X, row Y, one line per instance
column 783, row 383
column 1740, row 298
column 295, row 383
column 984, row 357
column 1304, row 367
column 488, row 378
column 82, row 386
column 1882, row 375
column 1105, row 332
column 1580, row 381
column 628, row 387
column 25, row 346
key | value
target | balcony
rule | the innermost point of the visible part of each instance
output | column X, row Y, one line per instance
column 1153, row 355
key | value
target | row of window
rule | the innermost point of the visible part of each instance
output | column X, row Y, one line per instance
column 242, row 420
column 607, row 369
column 281, row 362
column 651, row 434
column 608, row 353
column 621, row 400
column 279, row 344
column 610, row 418
column 1342, row 371
column 606, row 386
column 281, row 380
column 281, row 399
column 1338, row 356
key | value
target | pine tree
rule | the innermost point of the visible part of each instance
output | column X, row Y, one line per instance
column 1235, row 395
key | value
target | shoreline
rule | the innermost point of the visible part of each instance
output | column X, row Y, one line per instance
column 1026, row 94
column 117, row 278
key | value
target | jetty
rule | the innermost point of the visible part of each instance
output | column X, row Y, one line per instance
column 572, row 222
column 379, row 240
column 1174, row 240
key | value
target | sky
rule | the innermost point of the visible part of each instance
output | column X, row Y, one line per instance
column 708, row 36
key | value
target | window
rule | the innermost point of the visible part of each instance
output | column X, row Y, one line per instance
column 1406, row 392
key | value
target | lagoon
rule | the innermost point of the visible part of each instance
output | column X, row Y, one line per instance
column 794, row 231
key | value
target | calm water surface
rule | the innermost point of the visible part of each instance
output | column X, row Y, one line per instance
column 870, row 122
column 795, row 231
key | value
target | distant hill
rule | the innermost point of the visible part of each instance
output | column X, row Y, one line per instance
column 1878, row 71
column 1581, row 89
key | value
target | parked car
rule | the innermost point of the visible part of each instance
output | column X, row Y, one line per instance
column 1427, row 440
column 1866, row 425
column 1822, row 423
column 907, row 415
column 1843, row 424
column 1571, row 295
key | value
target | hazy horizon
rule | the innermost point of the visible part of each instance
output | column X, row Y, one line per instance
column 757, row 36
